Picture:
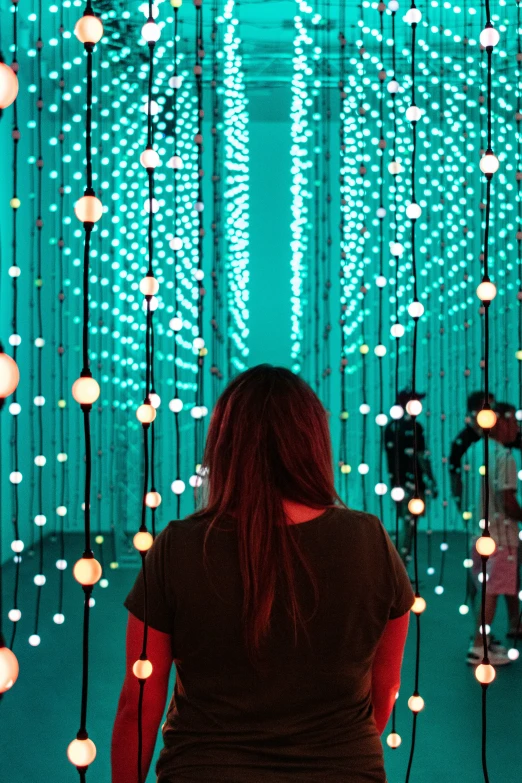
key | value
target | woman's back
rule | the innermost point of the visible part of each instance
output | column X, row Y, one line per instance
column 304, row 713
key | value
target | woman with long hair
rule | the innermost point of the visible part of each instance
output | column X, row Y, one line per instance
column 284, row 612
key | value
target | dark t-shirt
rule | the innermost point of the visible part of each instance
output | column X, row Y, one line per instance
column 305, row 715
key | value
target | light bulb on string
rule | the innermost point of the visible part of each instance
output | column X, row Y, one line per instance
column 88, row 209
column 9, row 669
column 81, row 752
column 489, row 37
column 150, row 31
column 88, row 29
column 9, row 375
column 8, row 86
column 486, row 418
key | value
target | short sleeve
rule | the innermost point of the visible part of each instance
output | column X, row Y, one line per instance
column 402, row 593
column 505, row 471
column 160, row 599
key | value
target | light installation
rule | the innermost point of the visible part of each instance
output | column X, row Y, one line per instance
column 451, row 83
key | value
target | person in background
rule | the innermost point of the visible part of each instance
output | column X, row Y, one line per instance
column 505, row 514
column 285, row 613
column 466, row 438
column 399, row 444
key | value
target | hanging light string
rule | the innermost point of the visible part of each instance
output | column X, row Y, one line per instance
column 343, row 446
column 416, row 504
column 486, row 418
column 380, row 350
column 87, row 570
column 39, row 461
column 442, row 331
column 17, row 544
column 326, row 254
column 176, row 323
column 61, row 509
column 217, row 337
column 364, row 408
column 317, row 220
column 199, row 411
column 146, row 413
column 518, row 118
column 394, row 739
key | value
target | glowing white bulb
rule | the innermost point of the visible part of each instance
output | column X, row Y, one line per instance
column 381, row 213
column 14, row 615
column 414, row 407
column 486, row 291
column 40, row 520
column 396, row 412
column 489, row 37
column 363, row 468
column 430, row 571
column 381, row 420
column 397, row 331
column 40, row 461
column 195, row 412
column 464, row 609
column 154, row 107
column 39, row 580
column 39, row 342
column 444, row 546
column 150, row 32
column 198, row 343
column 17, row 546
column 34, row 640
column 393, row 6
column 489, row 163
column 176, row 324
column 380, row 281
column 175, row 163
column 61, row 511
column 176, row 243
column 513, row 654
column 439, row 590
column 155, row 400
column 59, row 618
column 178, row 487
column 393, row 87
column 396, row 249
column 412, row 16
column 39, row 400
column 364, row 408
column 15, row 477
column 415, row 309
column 61, row 565
column 15, row 408
column 413, row 113
column 381, row 489
column 397, row 494
column 176, row 405
column 149, row 159
column 380, row 351
column 413, row 211
column 175, row 82
column 195, row 481
column 155, row 205
column 61, row 457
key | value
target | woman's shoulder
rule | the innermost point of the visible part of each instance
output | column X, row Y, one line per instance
column 355, row 518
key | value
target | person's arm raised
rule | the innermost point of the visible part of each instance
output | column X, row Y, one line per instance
column 124, row 754
column 386, row 669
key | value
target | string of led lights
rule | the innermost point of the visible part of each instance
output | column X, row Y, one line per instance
column 146, row 412
column 86, row 390
column 486, row 418
column 416, row 505
column 9, row 373
column 326, row 218
column 237, row 192
column 217, row 260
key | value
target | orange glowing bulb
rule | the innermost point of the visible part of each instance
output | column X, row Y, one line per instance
column 485, row 546
column 142, row 541
column 419, row 605
column 416, row 506
column 8, row 86
column 81, row 752
column 152, row 499
column 416, row 703
column 9, row 375
column 485, row 673
column 142, row 669
column 88, row 209
column 87, row 571
column 486, row 418
column 146, row 413
column 88, row 29
column 393, row 740
column 8, row 669
column 86, row 390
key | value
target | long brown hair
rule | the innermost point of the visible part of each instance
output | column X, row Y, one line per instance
column 268, row 441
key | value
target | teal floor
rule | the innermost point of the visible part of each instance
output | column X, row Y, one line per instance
column 40, row 715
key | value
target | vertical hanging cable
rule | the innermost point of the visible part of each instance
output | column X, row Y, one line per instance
column 217, row 337
column 416, row 504
column 199, row 411
column 397, row 330
column 486, row 418
column 176, row 244
column 343, row 465
column 318, row 197
column 61, row 509
column 326, row 255
column 39, row 461
column 14, row 408
column 87, row 570
column 146, row 413
column 380, row 349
